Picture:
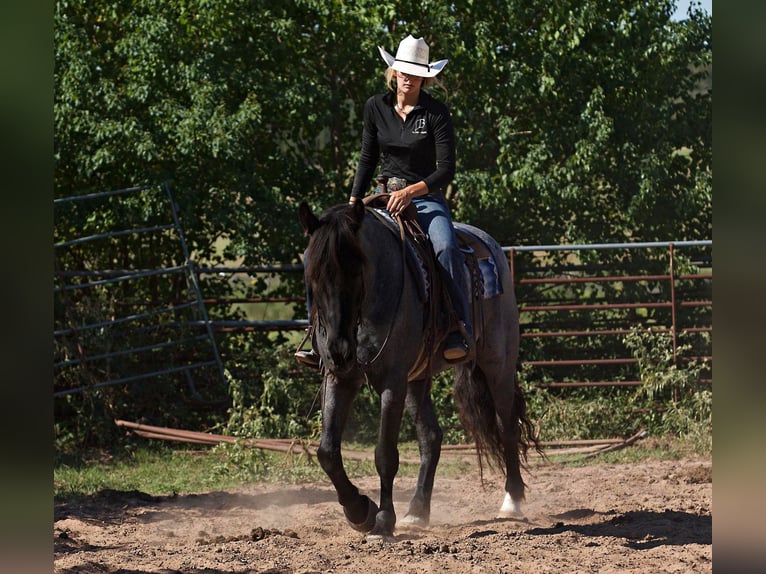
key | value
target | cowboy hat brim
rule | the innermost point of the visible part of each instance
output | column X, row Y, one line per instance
column 422, row 70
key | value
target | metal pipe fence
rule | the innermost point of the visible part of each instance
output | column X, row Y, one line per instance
column 664, row 310
column 577, row 304
column 673, row 303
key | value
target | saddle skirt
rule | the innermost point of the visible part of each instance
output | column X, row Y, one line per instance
column 480, row 261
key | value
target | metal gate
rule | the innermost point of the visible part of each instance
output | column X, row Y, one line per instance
column 99, row 319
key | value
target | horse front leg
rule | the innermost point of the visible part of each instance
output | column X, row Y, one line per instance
column 337, row 397
column 387, row 458
column 421, row 409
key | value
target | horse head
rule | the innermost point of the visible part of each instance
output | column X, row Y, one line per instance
column 335, row 267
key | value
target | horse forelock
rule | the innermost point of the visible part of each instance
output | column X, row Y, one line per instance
column 334, row 253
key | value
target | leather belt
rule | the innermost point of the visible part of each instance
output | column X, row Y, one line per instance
column 387, row 184
column 395, row 184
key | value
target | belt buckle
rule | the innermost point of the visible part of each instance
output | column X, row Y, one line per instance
column 396, row 183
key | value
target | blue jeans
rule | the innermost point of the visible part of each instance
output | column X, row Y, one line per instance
column 435, row 219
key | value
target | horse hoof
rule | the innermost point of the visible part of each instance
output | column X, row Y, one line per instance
column 369, row 522
column 375, row 537
column 412, row 521
column 510, row 508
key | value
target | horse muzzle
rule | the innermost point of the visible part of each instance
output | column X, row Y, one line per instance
column 342, row 357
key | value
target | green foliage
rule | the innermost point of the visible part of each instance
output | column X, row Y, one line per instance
column 602, row 96
column 273, row 398
column 442, row 393
column 576, row 121
column 672, row 384
column 587, row 414
column 670, row 402
column 142, row 466
column 269, row 404
column 241, row 463
column 159, row 469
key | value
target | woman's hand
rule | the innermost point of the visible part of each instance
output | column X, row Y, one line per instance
column 399, row 200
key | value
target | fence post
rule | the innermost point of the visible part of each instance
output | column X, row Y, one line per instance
column 511, row 257
column 674, row 327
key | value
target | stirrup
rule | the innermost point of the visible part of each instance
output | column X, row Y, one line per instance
column 308, row 358
column 456, row 348
column 459, row 346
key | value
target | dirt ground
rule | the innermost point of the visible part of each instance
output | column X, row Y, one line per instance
column 649, row 517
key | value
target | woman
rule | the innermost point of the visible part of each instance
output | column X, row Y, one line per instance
column 410, row 134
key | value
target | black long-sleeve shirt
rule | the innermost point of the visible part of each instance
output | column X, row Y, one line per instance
column 422, row 147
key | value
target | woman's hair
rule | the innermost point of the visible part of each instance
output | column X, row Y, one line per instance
column 427, row 82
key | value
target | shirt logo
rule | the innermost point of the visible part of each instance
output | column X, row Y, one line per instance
column 420, row 126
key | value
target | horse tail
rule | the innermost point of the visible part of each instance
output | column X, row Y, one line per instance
column 476, row 409
column 477, row 413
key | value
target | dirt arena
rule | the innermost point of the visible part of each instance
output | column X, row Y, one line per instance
column 646, row 517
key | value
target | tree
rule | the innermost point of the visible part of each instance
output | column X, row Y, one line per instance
column 594, row 123
column 577, row 121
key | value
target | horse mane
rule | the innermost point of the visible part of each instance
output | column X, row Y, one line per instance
column 334, row 251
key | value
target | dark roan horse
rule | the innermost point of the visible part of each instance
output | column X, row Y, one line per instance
column 369, row 327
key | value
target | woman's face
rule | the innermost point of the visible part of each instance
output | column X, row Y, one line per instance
column 407, row 83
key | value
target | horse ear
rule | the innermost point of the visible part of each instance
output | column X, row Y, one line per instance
column 358, row 211
column 309, row 221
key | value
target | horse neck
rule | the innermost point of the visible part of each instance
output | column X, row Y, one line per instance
column 384, row 267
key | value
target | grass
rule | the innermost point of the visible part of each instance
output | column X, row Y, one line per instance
column 158, row 469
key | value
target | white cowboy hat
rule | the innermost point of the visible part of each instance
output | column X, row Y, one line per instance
column 412, row 58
